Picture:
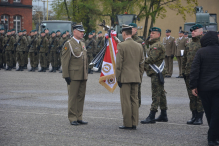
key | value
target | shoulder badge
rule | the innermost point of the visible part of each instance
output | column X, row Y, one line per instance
column 65, row 48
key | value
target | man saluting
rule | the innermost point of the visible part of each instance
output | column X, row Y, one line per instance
column 74, row 71
column 129, row 71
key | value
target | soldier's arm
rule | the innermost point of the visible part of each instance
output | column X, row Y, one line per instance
column 184, row 59
column 141, row 63
column 47, row 44
column 119, row 61
column 65, row 59
column 173, row 46
column 25, row 41
column 154, row 55
column 95, row 47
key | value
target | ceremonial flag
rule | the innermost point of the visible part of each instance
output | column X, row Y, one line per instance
column 107, row 76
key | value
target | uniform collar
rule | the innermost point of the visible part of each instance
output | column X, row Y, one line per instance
column 76, row 39
column 128, row 38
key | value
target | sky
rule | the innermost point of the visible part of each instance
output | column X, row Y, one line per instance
column 40, row 3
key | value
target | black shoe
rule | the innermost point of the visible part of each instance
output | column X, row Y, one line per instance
column 54, row 70
column 75, row 123
column 82, row 122
column 150, row 119
column 133, row 127
column 41, row 70
column 213, row 143
column 25, row 66
column 162, row 117
column 126, row 128
column 8, row 69
column 194, row 113
column 51, row 70
column 36, row 68
column 91, row 71
column 47, row 68
column 44, row 69
column 31, row 69
column 198, row 120
column 60, row 71
column 178, row 77
column 19, row 68
column 14, row 67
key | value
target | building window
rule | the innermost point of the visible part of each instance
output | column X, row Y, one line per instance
column 17, row 23
column 17, row 1
column 5, row 20
column 4, row 0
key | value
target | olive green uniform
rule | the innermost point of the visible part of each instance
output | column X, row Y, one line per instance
column 21, row 50
column 139, row 40
column 43, row 52
column 156, row 55
column 75, row 65
column 48, row 55
column 33, row 52
column 14, row 54
column 26, row 51
column 8, row 50
column 188, row 56
column 61, row 43
column 169, row 44
column 59, row 51
column 91, row 50
column 54, row 43
column 1, row 50
column 180, row 45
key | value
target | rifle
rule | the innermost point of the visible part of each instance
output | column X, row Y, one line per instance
column 31, row 44
column 99, row 42
column 6, row 44
column 40, row 44
column 50, row 46
column 15, row 45
column 60, row 47
column 89, row 44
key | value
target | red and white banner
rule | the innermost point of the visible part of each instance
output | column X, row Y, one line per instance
column 108, row 76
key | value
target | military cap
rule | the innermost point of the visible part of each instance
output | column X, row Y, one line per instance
column 13, row 29
column 67, row 30
column 46, row 28
column 78, row 26
column 35, row 30
column 9, row 31
column 126, row 27
column 155, row 29
column 24, row 30
column 1, row 28
column 168, row 31
column 52, row 32
column 196, row 26
column 20, row 31
column 32, row 31
column 91, row 33
column 64, row 32
column 133, row 25
column 99, row 32
column 181, row 31
column 186, row 32
column 58, row 31
column 43, row 31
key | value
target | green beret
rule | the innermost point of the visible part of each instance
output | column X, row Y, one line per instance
column 155, row 29
column 32, row 31
column 13, row 29
column 52, row 32
column 24, row 30
column 91, row 33
column 64, row 32
column 99, row 32
column 43, row 31
column 20, row 31
column 133, row 25
column 58, row 31
column 9, row 31
column 67, row 30
column 47, row 29
column 1, row 28
column 196, row 26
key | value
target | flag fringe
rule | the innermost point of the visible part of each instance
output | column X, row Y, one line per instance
column 105, row 78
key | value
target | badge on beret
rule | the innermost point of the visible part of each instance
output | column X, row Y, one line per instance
column 65, row 48
column 155, row 48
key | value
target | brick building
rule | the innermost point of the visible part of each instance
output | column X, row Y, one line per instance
column 16, row 14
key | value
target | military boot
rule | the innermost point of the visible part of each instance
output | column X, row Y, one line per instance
column 198, row 120
column 19, row 68
column 41, row 70
column 22, row 68
column 52, row 69
column 194, row 113
column 55, row 68
column 89, row 70
column 9, row 68
column 14, row 66
column 25, row 66
column 33, row 69
column 60, row 71
column 44, row 69
column 162, row 117
column 150, row 119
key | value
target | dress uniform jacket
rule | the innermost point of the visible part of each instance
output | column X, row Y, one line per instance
column 169, row 45
column 180, row 45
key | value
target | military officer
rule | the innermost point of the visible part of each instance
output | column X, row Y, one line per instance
column 75, row 66
column 91, row 46
column 8, row 44
column 180, row 47
column 20, row 50
column 26, row 50
column 154, row 60
column 169, row 44
column 54, row 42
column 33, row 51
column 43, row 51
column 130, row 55
column 188, row 56
column 138, row 40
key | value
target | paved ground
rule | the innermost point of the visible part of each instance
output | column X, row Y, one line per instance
column 33, row 111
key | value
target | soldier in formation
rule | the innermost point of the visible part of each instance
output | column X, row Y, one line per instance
column 33, row 52
column 100, row 45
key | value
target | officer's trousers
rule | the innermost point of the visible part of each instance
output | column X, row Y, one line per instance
column 169, row 65
column 76, row 96
column 158, row 94
column 129, row 104
column 179, row 60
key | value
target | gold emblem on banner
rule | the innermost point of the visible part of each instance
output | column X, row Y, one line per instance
column 111, row 81
column 106, row 68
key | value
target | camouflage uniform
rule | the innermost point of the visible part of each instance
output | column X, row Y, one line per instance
column 61, row 43
column 8, row 50
column 14, row 53
column 139, row 40
column 156, row 55
column 26, row 51
column 54, row 43
column 59, row 51
column 91, row 50
column 21, row 50
column 48, row 55
column 189, row 55
column 1, row 51
column 43, row 53
column 33, row 52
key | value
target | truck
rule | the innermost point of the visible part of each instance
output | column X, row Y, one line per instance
column 208, row 21
column 54, row 25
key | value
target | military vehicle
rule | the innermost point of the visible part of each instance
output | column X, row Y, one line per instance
column 124, row 19
column 208, row 21
column 54, row 25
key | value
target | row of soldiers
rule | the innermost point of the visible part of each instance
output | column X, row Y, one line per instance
column 44, row 49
